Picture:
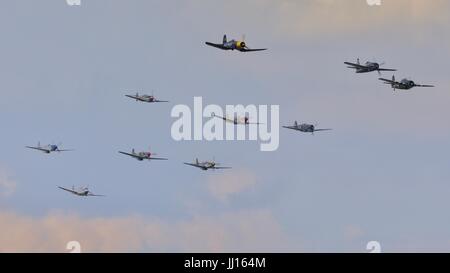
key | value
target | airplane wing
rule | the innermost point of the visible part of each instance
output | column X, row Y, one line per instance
column 37, row 148
column 193, row 165
column 387, row 80
column 215, row 45
column 71, row 191
column 218, row 168
column 290, row 127
column 133, row 97
column 65, row 150
column 224, row 118
column 386, row 69
column 132, row 155
column 424, row 85
column 355, row 65
column 318, row 130
column 250, row 50
column 160, row 101
column 98, row 195
column 257, row 123
column 158, row 158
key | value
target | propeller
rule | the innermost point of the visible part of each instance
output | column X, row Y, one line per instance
column 315, row 125
column 244, row 44
column 379, row 66
column 58, row 146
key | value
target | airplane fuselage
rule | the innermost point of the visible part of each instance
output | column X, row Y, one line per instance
column 232, row 45
column 369, row 68
column 143, row 155
column 306, row 128
column 404, row 85
column 206, row 165
column 146, row 98
column 49, row 148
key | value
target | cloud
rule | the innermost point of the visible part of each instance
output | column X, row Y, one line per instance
column 7, row 186
column 225, row 185
column 336, row 16
column 226, row 232
column 319, row 17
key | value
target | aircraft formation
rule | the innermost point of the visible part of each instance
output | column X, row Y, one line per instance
column 404, row 84
column 239, row 45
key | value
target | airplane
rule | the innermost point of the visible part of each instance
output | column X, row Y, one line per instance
column 233, row 44
column 142, row 155
column 236, row 120
column 83, row 191
column 47, row 148
column 305, row 128
column 367, row 67
column 145, row 98
column 404, row 84
column 206, row 165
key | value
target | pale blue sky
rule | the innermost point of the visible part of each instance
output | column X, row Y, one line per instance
column 381, row 174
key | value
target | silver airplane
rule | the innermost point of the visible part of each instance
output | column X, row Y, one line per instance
column 206, row 165
column 404, row 84
column 367, row 67
column 233, row 44
column 142, row 155
column 83, row 191
column 145, row 98
column 305, row 128
column 47, row 148
column 236, row 120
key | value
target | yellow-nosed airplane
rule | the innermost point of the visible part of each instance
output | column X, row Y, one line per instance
column 233, row 44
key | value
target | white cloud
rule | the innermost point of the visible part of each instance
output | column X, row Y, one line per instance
column 225, row 185
column 325, row 16
column 247, row 230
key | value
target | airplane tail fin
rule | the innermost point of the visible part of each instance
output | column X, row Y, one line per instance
column 224, row 39
column 39, row 144
column 196, row 161
column 357, row 61
column 295, row 123
column 132, row 151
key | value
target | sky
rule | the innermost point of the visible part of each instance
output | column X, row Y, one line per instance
column 380, row 175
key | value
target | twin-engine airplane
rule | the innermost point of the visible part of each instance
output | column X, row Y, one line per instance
column 404, row 84
column 233, row 44
column 83, row 191
column 367, row 67
column 305, row 128
column 142, row 155
column 145, row 98
column 47, row 148
column 236, row 120
column 206, row 165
